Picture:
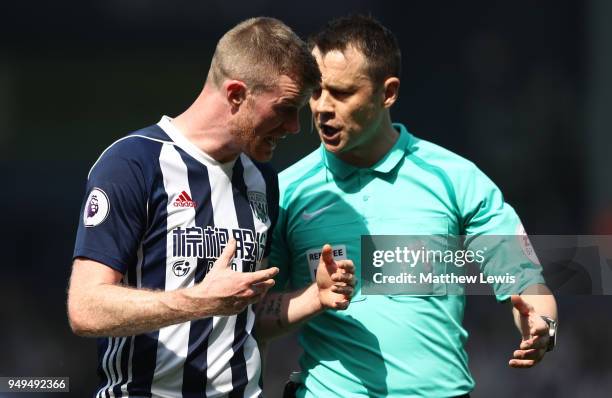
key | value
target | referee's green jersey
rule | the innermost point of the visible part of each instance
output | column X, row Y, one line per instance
column 384, row 345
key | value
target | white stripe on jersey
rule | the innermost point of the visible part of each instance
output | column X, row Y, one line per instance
column 173, row 340
column 254, row 181
column 252, row 358
column 115, row 356
column 109, row 348
column 219, row 371
column 112, row 354
column 118, row 355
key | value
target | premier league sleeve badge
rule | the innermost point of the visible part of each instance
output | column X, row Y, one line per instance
column 96, row 209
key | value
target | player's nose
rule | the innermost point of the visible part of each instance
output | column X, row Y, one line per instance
column 292, row 123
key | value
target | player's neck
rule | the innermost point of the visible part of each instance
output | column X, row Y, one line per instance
column 204, row 124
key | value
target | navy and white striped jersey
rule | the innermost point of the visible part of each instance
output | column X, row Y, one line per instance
column 160, row 211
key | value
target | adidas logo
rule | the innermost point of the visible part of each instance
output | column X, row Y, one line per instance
column 184, row 200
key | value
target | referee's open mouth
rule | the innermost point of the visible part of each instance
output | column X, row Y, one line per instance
column 329, row 134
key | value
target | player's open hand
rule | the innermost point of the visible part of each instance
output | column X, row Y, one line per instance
column 535, row 336
column 226, row 292
column 335, row 280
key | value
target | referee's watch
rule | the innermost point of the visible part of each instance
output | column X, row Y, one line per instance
column 552, row 332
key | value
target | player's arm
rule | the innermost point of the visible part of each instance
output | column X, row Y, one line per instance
column 99, row 306
column 279, row 313
column 528, row 308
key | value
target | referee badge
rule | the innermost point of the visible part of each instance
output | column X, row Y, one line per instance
column 313, row 256
column 525, row 244
column 96, row 208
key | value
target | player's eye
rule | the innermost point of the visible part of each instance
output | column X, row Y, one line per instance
column 285, row 109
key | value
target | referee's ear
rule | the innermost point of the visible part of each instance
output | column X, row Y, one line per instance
column 235, row 93
column 391, row 91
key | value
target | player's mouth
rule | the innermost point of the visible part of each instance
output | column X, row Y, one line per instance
column 329, row 134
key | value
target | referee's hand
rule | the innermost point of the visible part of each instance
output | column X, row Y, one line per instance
column 224, row 291
column 534, row 331
column 335, row 280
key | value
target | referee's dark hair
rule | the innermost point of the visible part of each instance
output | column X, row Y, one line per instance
column 377, row 43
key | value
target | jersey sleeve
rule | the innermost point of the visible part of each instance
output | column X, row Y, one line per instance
column 113, row 214
column 493, row 226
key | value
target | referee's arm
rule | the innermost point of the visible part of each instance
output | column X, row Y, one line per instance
column 280, row 312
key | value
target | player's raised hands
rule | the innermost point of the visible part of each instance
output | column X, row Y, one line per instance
column 224, row 291
column 335, row 280
column 534, row 335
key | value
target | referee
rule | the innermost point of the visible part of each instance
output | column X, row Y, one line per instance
column 373, row 177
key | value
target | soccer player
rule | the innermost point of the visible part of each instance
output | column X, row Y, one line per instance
column 371, row 176
column 177, row 221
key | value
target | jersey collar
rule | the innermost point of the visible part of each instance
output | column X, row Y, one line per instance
column 179, row 139
column 385, row 165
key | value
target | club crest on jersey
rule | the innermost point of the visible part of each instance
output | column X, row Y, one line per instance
column 259, row 205
column 96, row 208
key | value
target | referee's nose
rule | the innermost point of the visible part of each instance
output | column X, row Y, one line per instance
column 321, row 103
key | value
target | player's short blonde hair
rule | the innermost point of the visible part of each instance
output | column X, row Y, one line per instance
column 258, row 50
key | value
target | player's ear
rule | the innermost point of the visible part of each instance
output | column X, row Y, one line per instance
column 235, row 93
column 391, row 91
